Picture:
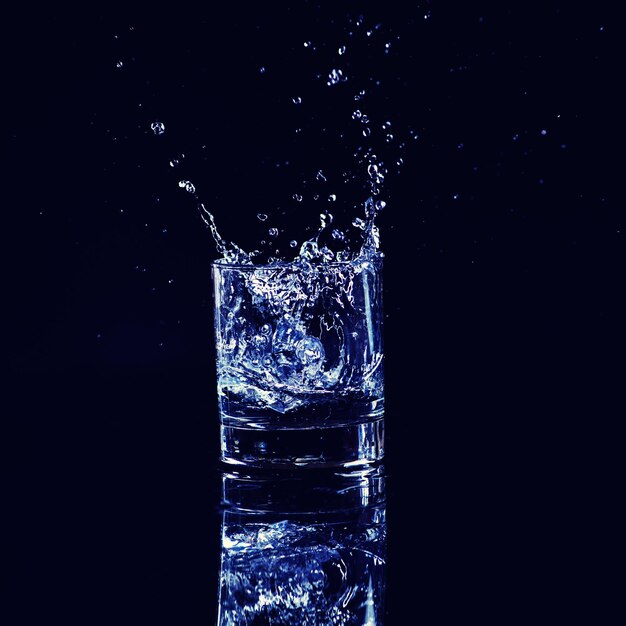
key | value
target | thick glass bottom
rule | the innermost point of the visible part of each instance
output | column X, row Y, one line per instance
column 345, row 445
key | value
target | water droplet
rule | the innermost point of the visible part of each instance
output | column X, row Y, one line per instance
column 366, row 132
column 357, row 115
column 332, row 197
column 174, row 162
column 386, row 125
column 158, row 128
column 187, row 186
column 544, row 132
column 261, row 216
column 293, row 243
column 320, row 176
column 369, row 33
column 119, row 64
column 360, row 95
column 387, row 46
column 455, row 196
column 307, row 44
column 460, row 146
column 297, row 100
column 336, row 76
column 297, row 197
column 389, row 138
column 359, row 223
column 380, row 205
column 342, row 50
column 273, row 232
column 170, row 281
column 262, row 70
column 338, row 235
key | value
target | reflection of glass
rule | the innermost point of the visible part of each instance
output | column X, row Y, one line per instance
column 299, row 363
column 300, row 551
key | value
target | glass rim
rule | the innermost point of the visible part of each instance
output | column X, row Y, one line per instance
column 251, row 267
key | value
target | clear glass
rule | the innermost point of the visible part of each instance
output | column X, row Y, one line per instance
column 300, row 363
column 298, row 551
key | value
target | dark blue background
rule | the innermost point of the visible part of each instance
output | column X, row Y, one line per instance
column 505, row 306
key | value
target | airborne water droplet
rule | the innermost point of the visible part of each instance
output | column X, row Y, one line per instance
column 293, row 243
column 273, row 232
column 366, row 132
column 320, row 176
column 332, row 197
column 261, row 216
column 119, row 64
column 297, row 100
column 187, row 186
column 342, row 50
column 158, row 128
column 335, row 76
column 338, row 235
column 297, row 197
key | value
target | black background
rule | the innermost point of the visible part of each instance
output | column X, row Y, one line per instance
column 504, row 305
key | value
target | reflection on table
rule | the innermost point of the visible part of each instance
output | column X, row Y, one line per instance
column 303, row 549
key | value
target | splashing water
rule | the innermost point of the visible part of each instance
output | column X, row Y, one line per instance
column 292, row 573
column 359, row 239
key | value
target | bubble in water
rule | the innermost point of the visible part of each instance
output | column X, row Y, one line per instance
column 332, row 197
column 342, row 50
column 327, row 254
column 158, row 128
column 297, row 197
column 273, row 232
column 320, row 176
column 297, row 100
column 187, row 186
column 261, row 216
column 338, row 235
column 293, row 243
column 336, row 76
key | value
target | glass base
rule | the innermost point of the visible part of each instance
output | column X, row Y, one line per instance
column 346, row 445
